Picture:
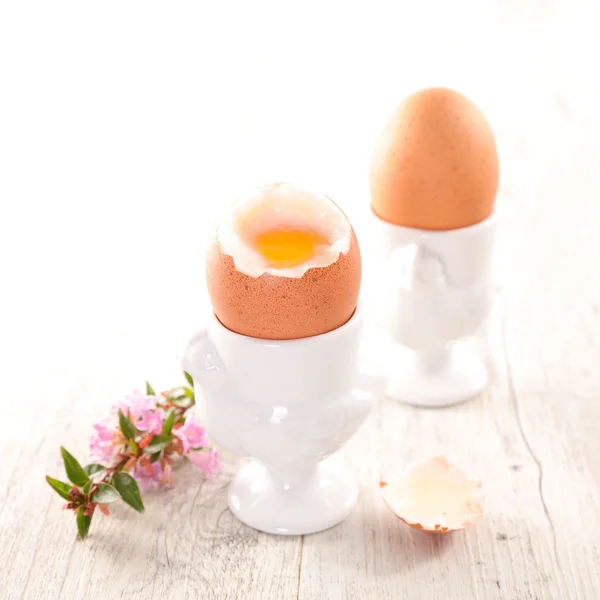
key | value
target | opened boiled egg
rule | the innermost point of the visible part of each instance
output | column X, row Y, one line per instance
column 434, row 496
column 435, row 164
column 284, row 263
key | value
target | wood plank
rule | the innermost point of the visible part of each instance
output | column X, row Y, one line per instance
column 31, row 527
column 552, row 344
column 483, row 437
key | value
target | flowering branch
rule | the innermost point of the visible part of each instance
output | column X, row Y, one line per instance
column 135, row 444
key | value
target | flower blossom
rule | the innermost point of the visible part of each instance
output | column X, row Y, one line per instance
column 191, row 434
column 154, row 475
column 151, row 421
column 206, row 461
column 137, row 404
column 102, row 442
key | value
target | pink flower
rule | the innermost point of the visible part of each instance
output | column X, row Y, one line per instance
column 206, row 461
column 102, row 448
column 191, row 434
column 151, row 421
column 139, row 404
column 135, row 404
column 115, row 408
column 153, row 475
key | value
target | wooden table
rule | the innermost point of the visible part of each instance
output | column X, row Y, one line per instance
column 125, row 132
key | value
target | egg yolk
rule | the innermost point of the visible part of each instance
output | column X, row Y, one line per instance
column 288, row 247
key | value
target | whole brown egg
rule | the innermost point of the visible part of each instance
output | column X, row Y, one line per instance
column 435, row 165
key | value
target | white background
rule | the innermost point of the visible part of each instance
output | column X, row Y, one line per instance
column 125, row 126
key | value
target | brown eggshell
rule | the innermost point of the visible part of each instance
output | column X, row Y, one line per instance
column 282, row 308
column 438, row 529
column 435, row 165
column 439, row 468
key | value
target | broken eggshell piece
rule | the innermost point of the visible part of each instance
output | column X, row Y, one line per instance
column 434, row 496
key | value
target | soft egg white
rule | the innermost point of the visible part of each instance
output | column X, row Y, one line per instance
column 276, row 206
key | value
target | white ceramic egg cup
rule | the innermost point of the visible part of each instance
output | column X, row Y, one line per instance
column 288, row 405
column 434, row 289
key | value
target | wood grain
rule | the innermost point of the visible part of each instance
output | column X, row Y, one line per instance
column 105, row 284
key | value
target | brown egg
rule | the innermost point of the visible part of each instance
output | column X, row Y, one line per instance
column 435, row 165
column 284, row 264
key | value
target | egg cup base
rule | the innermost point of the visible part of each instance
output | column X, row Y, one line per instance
column 445, row 377
column 319, row 500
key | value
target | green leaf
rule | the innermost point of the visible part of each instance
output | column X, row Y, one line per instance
column 159, row 443
column 134, row 447
column 87, row 487
column 182, row 395
column 150, row 390
column 129, row 490
column 127, row 427
column 94, row 469
column 74, row 470
column 60, row 487
column 175, row 393
column 83, row 523
column 189, row 378
column 154, row 457
column 105, row 494
column 168, row 426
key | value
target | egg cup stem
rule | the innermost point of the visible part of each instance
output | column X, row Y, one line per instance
column 433, row 360
column 443, row 377
column 299, row 501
